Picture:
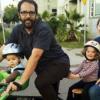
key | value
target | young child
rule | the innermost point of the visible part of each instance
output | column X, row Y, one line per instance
column 12, row 53
column 88, row 70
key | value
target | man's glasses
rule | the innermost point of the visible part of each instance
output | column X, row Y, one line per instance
column 31, row 13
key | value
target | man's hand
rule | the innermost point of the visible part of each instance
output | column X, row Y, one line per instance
column 3, row 81
column 13, row 86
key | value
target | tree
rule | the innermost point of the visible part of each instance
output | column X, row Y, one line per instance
column 73, row 21
column 10, row 14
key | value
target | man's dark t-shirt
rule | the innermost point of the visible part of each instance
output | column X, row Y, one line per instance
column 41, row 37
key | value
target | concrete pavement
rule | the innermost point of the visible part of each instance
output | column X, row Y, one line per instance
column 74, row 55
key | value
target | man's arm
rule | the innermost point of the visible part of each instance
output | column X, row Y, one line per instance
column 1, row 48
column 31, row 64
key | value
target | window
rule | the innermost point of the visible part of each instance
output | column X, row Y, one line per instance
column 94, row 8
column 97, row 8
column 91, row 8
column 54, row 11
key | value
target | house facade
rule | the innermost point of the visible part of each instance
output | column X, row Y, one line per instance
column 89, row 8
column 91, row 11
column 93, row 15
column 48, row 5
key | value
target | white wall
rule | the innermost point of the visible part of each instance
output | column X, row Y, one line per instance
column 46, row 5
column 90, row 21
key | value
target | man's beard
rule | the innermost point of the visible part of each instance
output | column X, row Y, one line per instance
column 28, row 24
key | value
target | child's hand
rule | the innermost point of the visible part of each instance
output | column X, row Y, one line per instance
column 3, row 81
column 77, row 76
column 73, row 76
column 3, row 93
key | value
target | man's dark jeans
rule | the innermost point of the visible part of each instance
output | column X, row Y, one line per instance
column 47, row 81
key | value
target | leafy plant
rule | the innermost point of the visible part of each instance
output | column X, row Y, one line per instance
column 46, row 15
column 54, row 23
column 61, row 31
column 10, row 14
column 66, row 27
column 6, row 32
column 73, row 23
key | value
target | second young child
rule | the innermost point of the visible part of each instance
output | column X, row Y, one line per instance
column 87, row 71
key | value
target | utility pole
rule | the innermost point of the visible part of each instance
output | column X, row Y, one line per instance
column 85, row 10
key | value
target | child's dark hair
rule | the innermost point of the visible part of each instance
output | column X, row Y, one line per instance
column 97, row 57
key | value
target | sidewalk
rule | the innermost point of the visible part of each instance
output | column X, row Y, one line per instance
column 74, row 55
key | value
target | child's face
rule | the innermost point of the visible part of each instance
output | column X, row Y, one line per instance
column 90, row 53
column 12, row 60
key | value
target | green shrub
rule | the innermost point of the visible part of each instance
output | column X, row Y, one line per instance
column 0, row 28
column 1, row 36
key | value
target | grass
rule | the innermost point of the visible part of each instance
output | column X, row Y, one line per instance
column 72, row 44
